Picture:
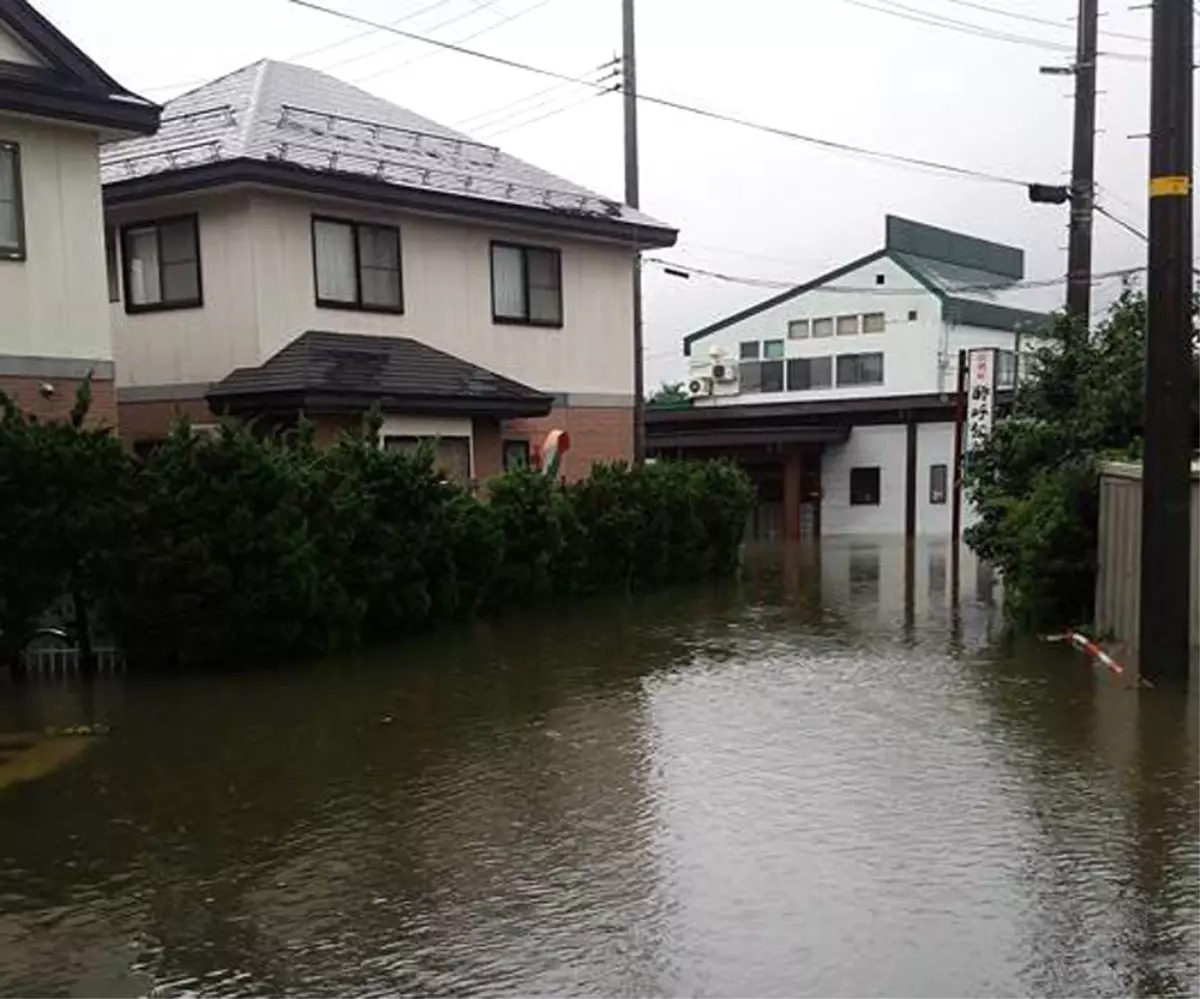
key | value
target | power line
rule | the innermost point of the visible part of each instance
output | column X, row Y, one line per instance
column 474, row 120
column 1127, row 226
column 478, row 8
column 502, row 121
column 307, row 53
column 919, row 16
column 1033, row 19
column 412, row 15
column 553, row 111
column 772, row 283
column 831, row 144
column 466, row 38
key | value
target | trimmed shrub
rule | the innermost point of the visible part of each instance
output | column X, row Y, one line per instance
column 242, row 547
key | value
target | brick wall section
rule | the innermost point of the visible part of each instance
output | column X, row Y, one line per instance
column 489, row 458
column 151, row 421
column 26, row 393
column 597, row 434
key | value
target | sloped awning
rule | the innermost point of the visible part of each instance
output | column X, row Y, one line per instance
column 323, row 372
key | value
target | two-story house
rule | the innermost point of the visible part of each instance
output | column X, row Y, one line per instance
column 289, row 244
column 56, row 108
column 838, row 395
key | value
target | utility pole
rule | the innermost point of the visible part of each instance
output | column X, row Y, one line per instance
column 1166, row 522
column 1081, row 192
column 1083, row 159
column 633, row 200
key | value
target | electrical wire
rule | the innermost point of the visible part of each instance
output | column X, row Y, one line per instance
column 1127, row 226
column 831, row 144
column 465, row 38
column 883, row 291
column 478, row 8
column 919, row 16
column 476, row 119
column 1033, row 19
column 307, row 53
column 412, row 15
column 504, row 118
column 548, row 114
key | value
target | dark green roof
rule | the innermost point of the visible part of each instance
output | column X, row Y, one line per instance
column 975, row 280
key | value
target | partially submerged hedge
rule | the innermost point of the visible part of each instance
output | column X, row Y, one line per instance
column 239, row 547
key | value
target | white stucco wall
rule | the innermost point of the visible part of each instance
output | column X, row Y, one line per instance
column 201, row 344
column 935, row 446
column 257, row 273
column 881, row 447
column 13, row 50
column 910, row 347
column 885, row 447
column 52, row 303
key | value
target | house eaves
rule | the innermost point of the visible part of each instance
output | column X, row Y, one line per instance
column 278, row 124
column 69, row 86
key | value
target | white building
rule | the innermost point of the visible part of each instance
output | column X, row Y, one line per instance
column 56, row 107
column 839, row 395
column 288, row 243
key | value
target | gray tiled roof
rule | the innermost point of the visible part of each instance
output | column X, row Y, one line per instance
column 380, row 369
column 279, row 112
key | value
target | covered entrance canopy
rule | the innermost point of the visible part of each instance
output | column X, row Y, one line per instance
column 780, row 445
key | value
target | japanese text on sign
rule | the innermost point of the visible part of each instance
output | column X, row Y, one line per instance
column 981, row 391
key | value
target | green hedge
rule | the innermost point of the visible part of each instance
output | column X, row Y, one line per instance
column 241, row 547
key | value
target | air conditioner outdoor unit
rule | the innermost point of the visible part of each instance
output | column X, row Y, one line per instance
column 723, row 371
column 700, row 386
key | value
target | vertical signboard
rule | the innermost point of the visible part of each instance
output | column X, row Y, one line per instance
column 981, row 395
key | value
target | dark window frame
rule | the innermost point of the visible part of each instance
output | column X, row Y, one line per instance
column 526, row 320
column 795, row 363
column 358, row 305
column 132, row 307
column 938, row 497
column 515, row 442
column 16, row 253
column 112, row 264
column 768, row 370
column 868, row 494
column 856, row 358
column 750, row 355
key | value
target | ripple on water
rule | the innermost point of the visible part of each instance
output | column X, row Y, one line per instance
column 791, row 787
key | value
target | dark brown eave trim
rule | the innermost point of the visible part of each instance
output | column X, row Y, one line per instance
column 923, row 408
column 288, row 402
column 32, row 97
column 734, row 437
column 290, row 176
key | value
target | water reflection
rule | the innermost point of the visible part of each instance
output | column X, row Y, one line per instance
column 821, row 781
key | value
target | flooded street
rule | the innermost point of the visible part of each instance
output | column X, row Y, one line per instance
column 802, row 784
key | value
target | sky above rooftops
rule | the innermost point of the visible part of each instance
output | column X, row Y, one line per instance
column 748, row 204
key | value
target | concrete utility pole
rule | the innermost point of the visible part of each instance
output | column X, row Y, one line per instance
column 1166, row 521
column 1083, row 159
column 633, row 199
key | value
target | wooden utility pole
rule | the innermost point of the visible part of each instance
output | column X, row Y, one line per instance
column 1166, row 520
column 633, row 200
column 1083, row 159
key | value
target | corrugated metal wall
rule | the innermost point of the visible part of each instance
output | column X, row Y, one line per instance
column 1117, row 582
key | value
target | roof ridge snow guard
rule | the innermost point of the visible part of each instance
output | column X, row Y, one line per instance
column 950, row 247
column 382, row 167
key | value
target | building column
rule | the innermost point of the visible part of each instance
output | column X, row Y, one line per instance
column 791, row 495
column 910, row 480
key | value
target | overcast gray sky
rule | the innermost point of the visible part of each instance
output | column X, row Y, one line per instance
column 746, row 203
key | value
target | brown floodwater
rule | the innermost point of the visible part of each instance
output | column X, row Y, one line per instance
column 814, row 782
